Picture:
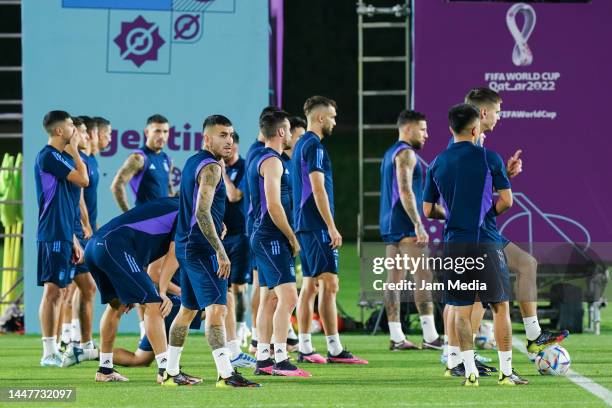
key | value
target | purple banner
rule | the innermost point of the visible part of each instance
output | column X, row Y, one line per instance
column 550, row 64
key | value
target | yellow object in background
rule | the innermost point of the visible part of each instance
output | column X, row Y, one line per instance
column 11, row 217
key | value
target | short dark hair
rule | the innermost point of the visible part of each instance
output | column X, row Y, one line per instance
column 77, row 121
column 213, row 120
column 157, row 118
column 409, row 116
column 101, row 121
column 271, row 121
column 482, row 96
column 268, row 109
column 236, row 137
column 317, row 100
column 297, row 122
column 461, row 116
column 90, row 123
column 53, row 117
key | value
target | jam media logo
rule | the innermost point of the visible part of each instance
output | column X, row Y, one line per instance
column 139, row 41
column 521, row 53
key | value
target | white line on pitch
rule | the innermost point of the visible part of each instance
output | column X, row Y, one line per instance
column 577, row 378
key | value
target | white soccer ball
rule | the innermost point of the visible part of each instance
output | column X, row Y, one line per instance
column 553, row 360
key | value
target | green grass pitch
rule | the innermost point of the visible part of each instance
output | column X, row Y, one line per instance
column 392, row 379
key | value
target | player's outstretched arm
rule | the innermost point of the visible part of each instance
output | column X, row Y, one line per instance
column 404, row 168
column 272, row 171
column 317, row 181
column 209, row 177
column 132, row 165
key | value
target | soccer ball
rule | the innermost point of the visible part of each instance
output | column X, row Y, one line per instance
column 553, row 360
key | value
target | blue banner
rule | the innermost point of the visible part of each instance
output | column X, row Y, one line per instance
column 126, row 60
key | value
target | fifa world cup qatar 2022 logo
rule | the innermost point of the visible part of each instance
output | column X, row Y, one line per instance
column 521, row 54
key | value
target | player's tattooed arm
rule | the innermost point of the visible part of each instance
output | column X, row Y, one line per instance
column 170, row 189
column 209, row 177
column 133, row 164
column 405, row 161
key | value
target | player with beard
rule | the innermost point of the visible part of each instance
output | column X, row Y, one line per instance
column 402, row 229
column 275, row 245
column 313, row 218
column 204, row 264
column 58, row 247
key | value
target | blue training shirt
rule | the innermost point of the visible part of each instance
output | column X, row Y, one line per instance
column 488, row 230
column 309, row 155
column 287, row 165
column 234, row 218
column 252, row 154
column 264, row 226
column 148, row 229
column 393, row 218
column 189, row 237
column 153, row 180
column 463, row 177
column 56, row 209
column 90, row 193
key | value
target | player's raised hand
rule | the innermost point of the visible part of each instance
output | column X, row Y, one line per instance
column 224, row 265
column 515, row 164
column 335, row 237
column 295, row 246
column 421, row 235
column 166, row 305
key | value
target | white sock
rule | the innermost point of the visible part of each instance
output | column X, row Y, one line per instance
column 505, row 362
column 106, row 360
column 222, row 361
column 291, row 333
column 88, row 345
column 454, row 356
column 49, row 346
column 429, row 328
column 234, row 348
column 142, row 329
column 254, row 334
column 532, row 327
column 396, row 333
column 66, row 331
column 469, row 363
column 174, row 359
column 75, row 327
column 334, row 346
column 240, row 329
column 305, row 343
column 280, row 352
column 90, row 354
column 162, row 359
column 263, row 351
